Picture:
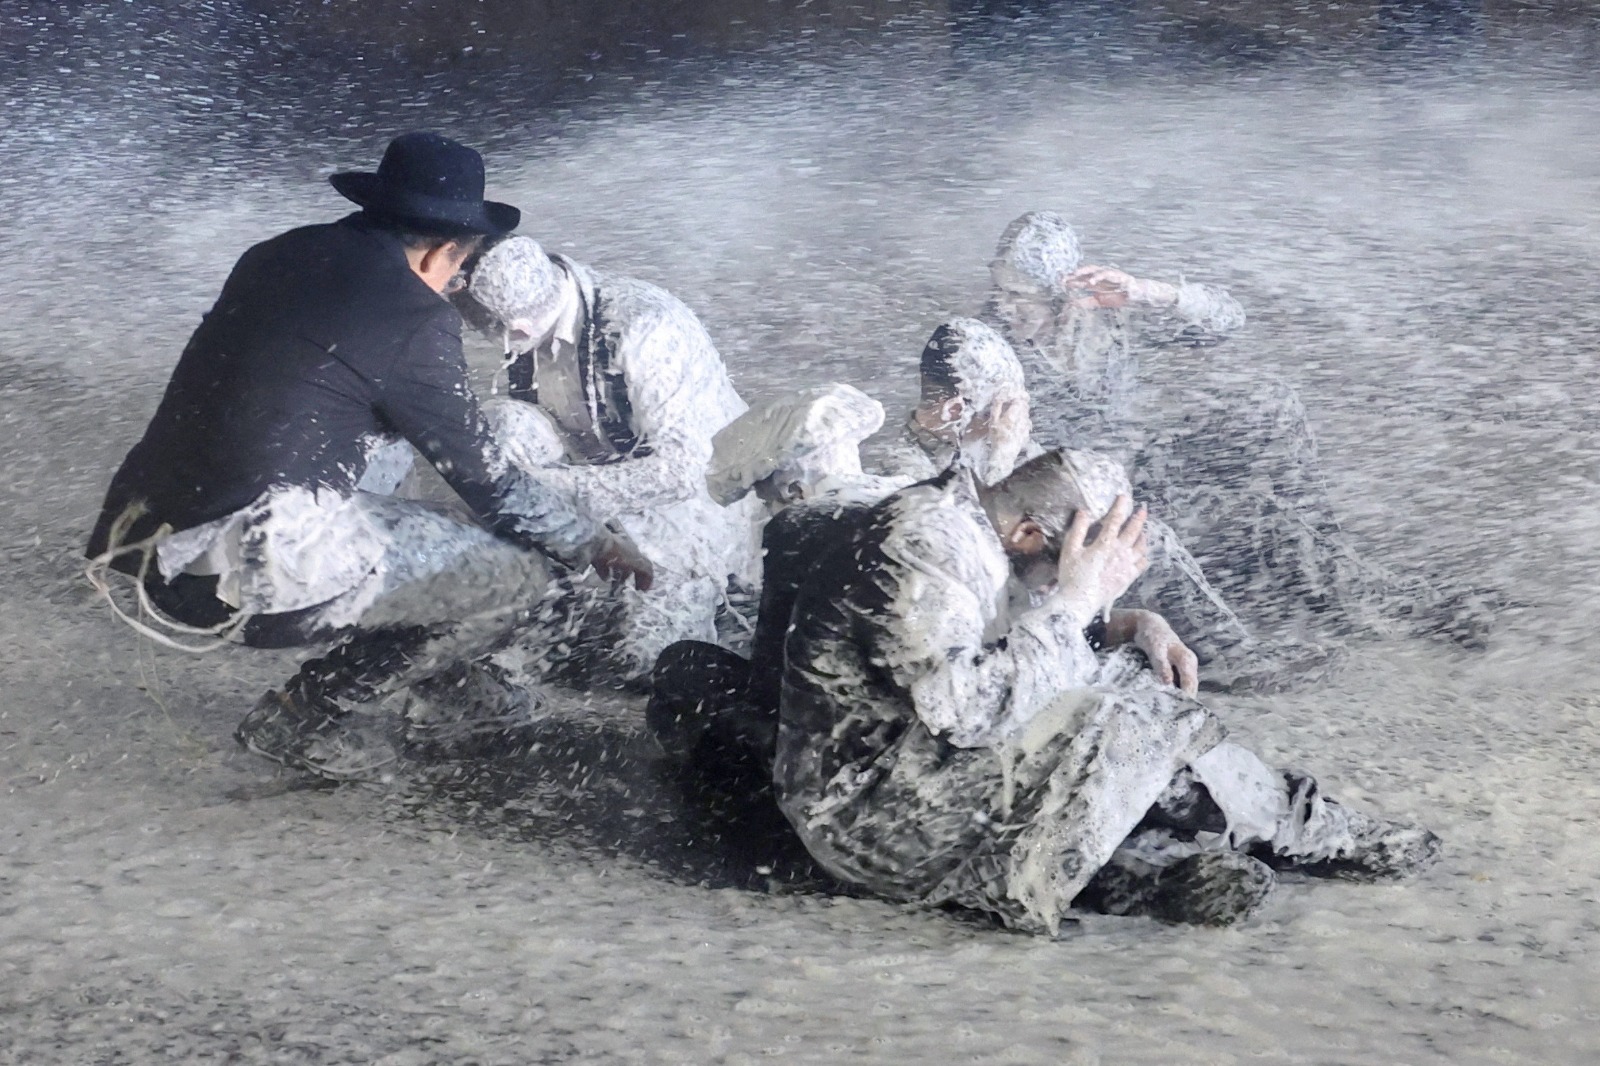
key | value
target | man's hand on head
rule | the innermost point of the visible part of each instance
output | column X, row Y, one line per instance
column 1093, row 573
column 1098, row 286
column 617, row 559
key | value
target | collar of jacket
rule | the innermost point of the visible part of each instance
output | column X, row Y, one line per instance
column 391, row 247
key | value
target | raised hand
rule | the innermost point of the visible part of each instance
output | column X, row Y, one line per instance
column 1010, row 428
column 1098, row 286
column 1094, row 572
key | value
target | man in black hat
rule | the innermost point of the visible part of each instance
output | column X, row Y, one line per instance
column 245, row 505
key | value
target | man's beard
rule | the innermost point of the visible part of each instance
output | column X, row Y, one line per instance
column 1036, row 573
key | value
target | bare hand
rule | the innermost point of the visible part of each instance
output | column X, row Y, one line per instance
column 617, row 559
column 1093, row 574
column 1169, row 657
column 1010, row 427
column 1098, row 286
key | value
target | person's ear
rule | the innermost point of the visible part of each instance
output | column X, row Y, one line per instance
column 438, row 257
column 1025, row 538
column 439, row 263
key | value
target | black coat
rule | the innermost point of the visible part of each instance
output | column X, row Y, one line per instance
column 322, row 341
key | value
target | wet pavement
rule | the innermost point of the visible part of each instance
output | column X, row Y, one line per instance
column 1403, row 196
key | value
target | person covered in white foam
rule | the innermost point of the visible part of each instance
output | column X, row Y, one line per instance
column 974, row 408
column 799, row 446
column 972, row 403
column 1050, row 303
column 1227, row 459
column 616, row 392
column 944, row 740
column 799, row 454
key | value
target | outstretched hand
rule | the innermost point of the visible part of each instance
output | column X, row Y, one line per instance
column 1098, row 286
column 1094, row 572
column 617, row 559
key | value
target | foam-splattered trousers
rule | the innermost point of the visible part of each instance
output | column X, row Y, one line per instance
column 1020, row 831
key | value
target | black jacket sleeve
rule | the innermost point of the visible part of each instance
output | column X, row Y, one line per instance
column 427, row 398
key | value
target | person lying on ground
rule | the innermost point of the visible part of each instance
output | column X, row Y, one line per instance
column 943, row 743
column 616, row 392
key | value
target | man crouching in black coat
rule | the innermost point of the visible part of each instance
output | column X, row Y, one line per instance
column 253, row 505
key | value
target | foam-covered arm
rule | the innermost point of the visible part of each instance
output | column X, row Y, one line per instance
column 975, row 693
column 666, row 363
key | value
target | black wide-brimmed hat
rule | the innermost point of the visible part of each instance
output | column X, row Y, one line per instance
column 432, row 183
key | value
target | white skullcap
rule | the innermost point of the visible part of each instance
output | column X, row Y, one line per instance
column 1053, row 486
column 1040, row 249
column 516, row 279
column 813, row 432
column 1096, row 479
column 974, row 360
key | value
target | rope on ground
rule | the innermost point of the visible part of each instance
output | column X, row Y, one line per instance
column 98, row 572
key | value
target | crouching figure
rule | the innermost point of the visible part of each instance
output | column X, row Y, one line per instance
column 948, row 733
column 616, row 391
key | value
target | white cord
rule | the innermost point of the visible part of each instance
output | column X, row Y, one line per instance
column 100, row 567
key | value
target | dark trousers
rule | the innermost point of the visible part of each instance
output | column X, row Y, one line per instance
column 702, row 708
column 192, row 600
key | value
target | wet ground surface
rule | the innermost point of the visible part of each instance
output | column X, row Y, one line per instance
column 1409, row 213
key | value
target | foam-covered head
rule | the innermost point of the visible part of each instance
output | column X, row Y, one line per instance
column 968, row 359
column 1036, row 252
column 518, row 283
column 799, row 438
column 1051, row 488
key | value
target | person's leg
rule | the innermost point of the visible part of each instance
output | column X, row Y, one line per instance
column 1282, row 818
column 1017, row 831
column 693, row 685
column 444, row 594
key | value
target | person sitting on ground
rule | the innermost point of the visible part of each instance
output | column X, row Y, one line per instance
column 798, row 454
column 719, row 711
column 615, row 394
column 1229, row 461
column 974, row 407
column 942, row 741
column 242, row 509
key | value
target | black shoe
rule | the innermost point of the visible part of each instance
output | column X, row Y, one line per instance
column 1211, row 888
column 1370, row 849
column 471, row 709
column 301, row 736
